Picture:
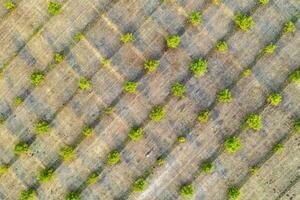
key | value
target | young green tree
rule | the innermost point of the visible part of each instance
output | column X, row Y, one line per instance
column 173, row 41
column 207, row 167
column 46, row 175
column 224, row 96
column 53, row 8
column 181, row 139
column 289, row 27
column 128, row 37
column 3, row 169
column 83, row 83
column 42, row 127
column 18, row 100
column 113, row 157
column 222, row 46
column 36, row 78
column 58, row 58
column 246, row 72
column 275, row 99
column 244, row 22
column 178, row 89
column 29, row 194
column 157, row 113
column 294, row 77
column 195, row 18
column 78, row 36
column 151, row 65
column 73, row 196
column 233, row 193
column 203, row 116
column 199, row 67
column 278, row 148
column 263, row 2
column 93, row 178
column 135, row 133
column 87, row 131
column 297, row 125
column 232, row 144
column 130, row 86
column 187, row 190
column 139, row 185
column 270, row 48
column 66, row 152
column 21, row 147
column 254, row 121
column 9, row 5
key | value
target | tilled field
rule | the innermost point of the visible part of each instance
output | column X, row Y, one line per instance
column 75, row 88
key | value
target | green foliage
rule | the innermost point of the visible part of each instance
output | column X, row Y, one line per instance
column 295, row 77
column 29, row 194
column 105, row 62
column 46, row 175
column 3, row 169
column 181, row 139
column 108, row 110
column 135, row 133
column 254, row 121
column 53, row 8
column 297, row 125
column 93, row 178
column 9, row 5
column 151, row 65
column 78, row 36
column 207, row 167
column 130, row 86
column 199, row 67
column 243, row 22
column 157, row 113
column 87, row 131
column 275, row 99
column 127, row 38
column 289, row 27
column 203, row 116
column 269, row 49
column 173, row 41
column 160, row 161
column 21, row 147
column 36, row 78
column 83, row 83
column 18, row 100
column 187, row 191
column 263, row 2
column 246, row 72
column 195, row 18
column 232, row 144
column 278, row 148
column 224, row 96
column 139, row 185
column 73, row 196
column 58, row 58
column 233, row 193
column 178, row 89
column 113, row 157
column 253, row 170
column 42, row 127
column 66, row 152
column 222, row 46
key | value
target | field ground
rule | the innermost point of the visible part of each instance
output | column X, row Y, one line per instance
column 30, row 39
